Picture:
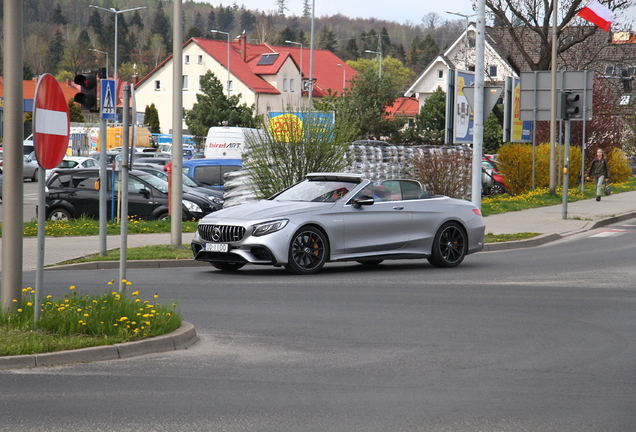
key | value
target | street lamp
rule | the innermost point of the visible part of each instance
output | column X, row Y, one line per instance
column 116, row 12
column 301, row 64
column 228, row 60
column 344, row 77
column 466, row 48
column 380, row 54
column 102, row 52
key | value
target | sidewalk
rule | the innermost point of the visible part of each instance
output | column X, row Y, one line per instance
column 548, row 221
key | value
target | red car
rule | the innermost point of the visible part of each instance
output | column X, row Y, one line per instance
column 493, row 182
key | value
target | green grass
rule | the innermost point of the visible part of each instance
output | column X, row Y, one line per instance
column 79, row 321
column 87, row 227
column 542, row 198
column 155, row 252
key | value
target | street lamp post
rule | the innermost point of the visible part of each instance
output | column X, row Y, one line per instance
column 380, row 54
column 228, row 60
column 301, row 64
column 466, row 48
column 116, row 12
column 102, row 52
column 344, row 77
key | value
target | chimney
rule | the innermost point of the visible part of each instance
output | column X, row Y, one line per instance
column 68, row 82
column 243, row 41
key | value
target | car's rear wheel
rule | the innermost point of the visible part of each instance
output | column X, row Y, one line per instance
column 497, row 189
column 370, row 262
column 35, row 175
column 449, row 246
column 60, row 214
column 163, row 216
column 228, row 266
column 308, row 251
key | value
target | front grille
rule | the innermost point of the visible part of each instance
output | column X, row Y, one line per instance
column 221, row 233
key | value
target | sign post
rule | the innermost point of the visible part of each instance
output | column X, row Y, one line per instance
column 51, row 125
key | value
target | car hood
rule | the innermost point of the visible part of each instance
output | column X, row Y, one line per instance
column 263, row 210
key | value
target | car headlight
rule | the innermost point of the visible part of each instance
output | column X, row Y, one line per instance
column 215, row 199
column 192, row 207
column 269, row 227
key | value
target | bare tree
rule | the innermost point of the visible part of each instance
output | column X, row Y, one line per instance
column 536, row 25
column 432, row 20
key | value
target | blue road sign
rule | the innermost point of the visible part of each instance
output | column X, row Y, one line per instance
column 109, row 108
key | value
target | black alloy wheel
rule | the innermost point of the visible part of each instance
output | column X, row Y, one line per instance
column 308, row 251
column 449, row 246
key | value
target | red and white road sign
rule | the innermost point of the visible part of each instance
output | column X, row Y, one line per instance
column 51, row 122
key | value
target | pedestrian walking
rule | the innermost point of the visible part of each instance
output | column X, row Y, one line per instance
column 599, row 171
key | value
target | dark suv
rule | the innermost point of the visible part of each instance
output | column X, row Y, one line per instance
column 71, row 193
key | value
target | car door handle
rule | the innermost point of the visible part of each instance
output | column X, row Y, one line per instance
column 398, row 207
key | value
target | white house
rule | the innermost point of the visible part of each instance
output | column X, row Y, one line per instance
column 267, row 76
column 459, row 55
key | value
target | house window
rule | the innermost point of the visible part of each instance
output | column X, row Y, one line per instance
column 440, row 74
column 185, row 82
column 284, row 84
column 200, row 59
column 187, row 59
column 200, row 82
column 157, row 85
column 492, row 71
column 291, row 85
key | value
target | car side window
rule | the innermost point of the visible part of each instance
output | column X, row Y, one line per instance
column 61, row 181
column 394, row 187
column 135, row 185
column 85, row 180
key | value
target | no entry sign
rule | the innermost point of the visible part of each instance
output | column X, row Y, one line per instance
column 51, row 122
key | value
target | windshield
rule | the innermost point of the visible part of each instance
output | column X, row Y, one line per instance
column 316, row 191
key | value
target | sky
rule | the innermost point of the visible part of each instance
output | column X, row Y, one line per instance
column 400, row 11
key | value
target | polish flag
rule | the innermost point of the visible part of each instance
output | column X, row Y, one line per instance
column 598, row 15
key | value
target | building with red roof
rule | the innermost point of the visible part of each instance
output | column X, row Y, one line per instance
column 267, row 76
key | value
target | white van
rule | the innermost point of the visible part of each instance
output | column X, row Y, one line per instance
column 227, row 142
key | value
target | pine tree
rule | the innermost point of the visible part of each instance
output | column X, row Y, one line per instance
column 58, row 16
column 151, row 118
column 352, row 48
column 161, row 26
column 211, row 25
column 56, row 50
column 306, row 9
column 281, row 6
column 225, row 19
column 75, row 112
column 328, row 40
column 248, row 19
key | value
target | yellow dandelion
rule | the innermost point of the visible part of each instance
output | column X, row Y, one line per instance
column 19, row 310
column 72, row 287
column 29, row 304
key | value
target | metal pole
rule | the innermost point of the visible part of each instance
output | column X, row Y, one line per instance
column 39, row 274
column 584, row 139
column 123, row 252
column 566, row 170
column 478, row 127
column 176, row 192
column 13, row 189
column 553, row 100
column 311, row 56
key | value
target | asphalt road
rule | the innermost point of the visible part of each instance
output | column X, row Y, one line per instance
column 30, row 201
column 537, row 339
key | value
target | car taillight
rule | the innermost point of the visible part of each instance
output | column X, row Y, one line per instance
column 477, row 211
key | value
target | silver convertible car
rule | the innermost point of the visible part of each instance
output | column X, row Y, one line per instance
column 341, row 217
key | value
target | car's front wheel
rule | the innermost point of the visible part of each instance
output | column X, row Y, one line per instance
column 449, row 246
column 60, row 214
column 308, row 251
column 228, row 266
column 497, row 189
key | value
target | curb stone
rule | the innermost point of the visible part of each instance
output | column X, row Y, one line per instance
column 181, row 338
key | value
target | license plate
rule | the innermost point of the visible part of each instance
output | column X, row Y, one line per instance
column 216, row 247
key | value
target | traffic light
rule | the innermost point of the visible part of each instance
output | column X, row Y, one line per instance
column 571, row 106
column 88, row 96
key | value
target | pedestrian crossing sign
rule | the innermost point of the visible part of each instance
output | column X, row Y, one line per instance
column 109, row 108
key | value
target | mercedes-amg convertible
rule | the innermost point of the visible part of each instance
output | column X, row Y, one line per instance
column 341, row 217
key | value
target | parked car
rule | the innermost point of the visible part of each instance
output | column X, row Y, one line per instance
column 190, row 185
column 29, row 168
column 493, row 182
column 110, row 156
column 74, row 192
column 211, row 171
column 335, row 217
column 199, row 154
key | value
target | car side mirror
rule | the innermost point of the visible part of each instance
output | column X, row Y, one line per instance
column 362, row 200
column 145, row 193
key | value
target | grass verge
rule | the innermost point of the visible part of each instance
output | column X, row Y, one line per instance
column 542, row 198
column 80, row 321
